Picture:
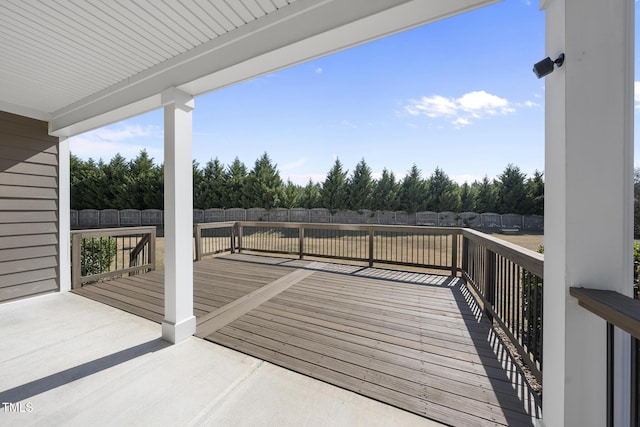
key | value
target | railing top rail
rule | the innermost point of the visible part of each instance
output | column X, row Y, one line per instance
column 528, row 259
column 208, row 225
column 354, row 227
column 121, row 231
column 617, row 309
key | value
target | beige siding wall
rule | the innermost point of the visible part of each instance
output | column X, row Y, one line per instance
column 28, row 208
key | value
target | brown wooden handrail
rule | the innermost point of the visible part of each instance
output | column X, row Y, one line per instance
column 617, row 309
column 372, row 231
column 77, row 236
column 623, row 312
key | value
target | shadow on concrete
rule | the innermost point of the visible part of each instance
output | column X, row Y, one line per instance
column 53, row 381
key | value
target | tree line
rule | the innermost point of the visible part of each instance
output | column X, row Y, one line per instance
column 138, row 184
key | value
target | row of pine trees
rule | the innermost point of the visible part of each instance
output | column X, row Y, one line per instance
column 138, row 184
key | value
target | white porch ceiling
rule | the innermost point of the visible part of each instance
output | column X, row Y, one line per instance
column 81, row 64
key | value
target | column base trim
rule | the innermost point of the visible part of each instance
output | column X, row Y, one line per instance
column 176, row 332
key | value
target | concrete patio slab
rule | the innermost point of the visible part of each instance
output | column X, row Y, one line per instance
column 67, row 360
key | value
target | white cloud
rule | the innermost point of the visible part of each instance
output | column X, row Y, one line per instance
column 460, row 122
column 636, row 92
column 295, row 164
column 529, row 104
column 435, row 106
column 318, row 70
column 104, row 143
column 481, row 102
column 471, row 105
column 347, row 123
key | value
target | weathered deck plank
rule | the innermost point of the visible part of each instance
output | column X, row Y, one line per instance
column 409, row 340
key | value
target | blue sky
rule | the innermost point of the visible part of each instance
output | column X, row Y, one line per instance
column 458, row 94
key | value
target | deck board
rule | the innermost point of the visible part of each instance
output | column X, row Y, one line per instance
column 408, row 339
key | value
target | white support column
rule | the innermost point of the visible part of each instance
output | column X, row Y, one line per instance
column 588, row 202
column 179, row 322
column 64, row 219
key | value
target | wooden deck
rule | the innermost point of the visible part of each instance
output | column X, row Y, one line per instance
column 412, row 340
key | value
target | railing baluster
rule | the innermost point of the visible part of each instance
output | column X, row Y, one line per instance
column 454, row 254
column 635, row 382
column 610, row 372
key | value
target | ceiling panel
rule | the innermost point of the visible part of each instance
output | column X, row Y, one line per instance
column 79, row 48
column 83, row 63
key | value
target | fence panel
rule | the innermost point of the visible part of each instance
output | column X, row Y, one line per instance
column 214, row 215
column 73, row 218
column 107, row 218
column 403, row 218
column 512, row 221
column 427, row 218
column 198, row 216
column 533, row 222
column 235, row 214
column 256, row 214
column 320, row 215
column 447, row 219
column 89, row 218
column 370, row 217
column 277, row 215
column 349, row 217
column 151, row 217
column 491, row 220
column 299, row 215
column 386, row 217
column 470, row 219
column 130, row 217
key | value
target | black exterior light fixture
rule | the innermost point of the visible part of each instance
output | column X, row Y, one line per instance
column 547, row 65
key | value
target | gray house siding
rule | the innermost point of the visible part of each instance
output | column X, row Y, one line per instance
column 28, row 208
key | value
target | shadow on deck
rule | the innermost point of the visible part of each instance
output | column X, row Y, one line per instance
column 412, row 340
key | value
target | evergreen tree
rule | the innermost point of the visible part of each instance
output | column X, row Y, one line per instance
column 86, row 184
column 386, row 194
column 413, row 193
column 442, row 193
column 292, row 195
column 235, row 180
column 485, row 196
column 535, row 194
column 117, row 182
column 467, row 198
column 359, row 188
column 198, row 177
column 154, row 199
column 146, row 183
column 264, row 187
column 210, row 190
column 512, row 193
column 139, row 184
column 333, row 195
column 310, row 195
